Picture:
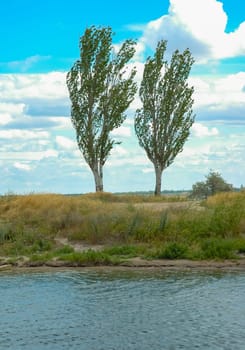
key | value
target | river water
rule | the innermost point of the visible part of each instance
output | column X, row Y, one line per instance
column 121, row 310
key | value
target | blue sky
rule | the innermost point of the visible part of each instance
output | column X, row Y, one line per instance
column 39, row 43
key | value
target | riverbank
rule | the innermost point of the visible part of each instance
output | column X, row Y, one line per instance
column 181, row 265
column 112, row 230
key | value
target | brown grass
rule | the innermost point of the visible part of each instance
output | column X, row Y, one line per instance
column 35, row 222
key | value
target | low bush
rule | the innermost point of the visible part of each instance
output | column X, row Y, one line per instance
column 90, row 257
column 217, row 249
column 172, row 250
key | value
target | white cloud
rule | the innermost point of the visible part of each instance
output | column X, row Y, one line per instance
column 49, row 86
column 12, row 108
column 49, row 153
column 9, row 111
column 62, row 122
column 119, row 151
column 5, row 118
column 29, row 156
column 148, row 170
column 65, row 143
column 220, row 97
column 27, row 63
column 36, row 130
column 22, row 166
column 122, row 131
column 23, row 134
column 223, row 152
column 199, row 25
column 200, row 130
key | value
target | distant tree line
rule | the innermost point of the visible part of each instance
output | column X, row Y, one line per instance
column 101, row 88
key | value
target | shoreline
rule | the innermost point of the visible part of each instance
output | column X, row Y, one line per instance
column 182, row 265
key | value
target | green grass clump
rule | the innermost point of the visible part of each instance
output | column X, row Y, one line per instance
column 66, row 249
column 172, row 250
column 41, row 258
column 125, row 251
column 217, row 249
column 89, row 257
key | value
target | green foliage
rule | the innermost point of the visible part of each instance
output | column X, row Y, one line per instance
column 240, row 246
column 89, row 257
column 200, row 190
column 100, row 92
column 163, row 221
column 190, row 224
column 66, row 249
column 32, row 225
column 214, row 184
column 6, row 232
column 163, row 123
column 127, row 251
column 217, row 249
column 226, row 218
column 172, row 250
column 42, row 258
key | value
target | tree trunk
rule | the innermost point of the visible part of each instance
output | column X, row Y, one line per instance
column 98, row 178
column 158, row 173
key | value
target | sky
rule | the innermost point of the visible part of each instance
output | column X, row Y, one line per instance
column 38, row 46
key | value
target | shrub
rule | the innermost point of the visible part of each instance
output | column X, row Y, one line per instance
column 172, row 250
column 90, row 257
column 214, row 184
column 217, row 249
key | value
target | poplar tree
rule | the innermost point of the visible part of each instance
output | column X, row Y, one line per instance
column 100, row 90
column 163, row 123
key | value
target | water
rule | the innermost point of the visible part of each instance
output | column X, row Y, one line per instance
column 122, row 310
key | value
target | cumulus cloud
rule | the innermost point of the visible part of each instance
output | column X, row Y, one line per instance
column 222, row 152
column 34, row 101
column 65, row 143
column 36, row 130
column 200, row 130
column 27, row 87
column 219, row 98
column 199, row 25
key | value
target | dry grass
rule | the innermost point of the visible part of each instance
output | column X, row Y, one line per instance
column 31, row 224
column 226, row 198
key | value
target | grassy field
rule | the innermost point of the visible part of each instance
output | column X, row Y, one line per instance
column 96, row 229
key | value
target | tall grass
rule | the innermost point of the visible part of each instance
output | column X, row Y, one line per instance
column 30, row 224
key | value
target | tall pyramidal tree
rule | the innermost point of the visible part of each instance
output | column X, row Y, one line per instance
column 100, row 89
column 163, row 123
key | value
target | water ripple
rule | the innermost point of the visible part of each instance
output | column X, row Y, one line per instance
column 121, row 311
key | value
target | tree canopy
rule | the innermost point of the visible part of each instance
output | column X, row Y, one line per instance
column 163, row 123
column 214, row 184
column 100, row 90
